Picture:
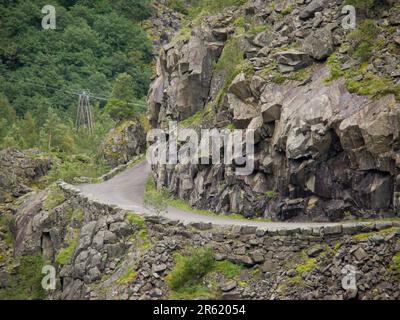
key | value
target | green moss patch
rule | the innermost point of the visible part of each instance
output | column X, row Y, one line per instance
column 54, row 198
column 5, row 221
column 190, row 267
column 76, row 215
column 136, row 220
column 228, row 269
column 396, row 262
column 25, row 283
column 307, row 265
column 64, row 256
column 128, row 277
column 385, row 232
column 193, row 274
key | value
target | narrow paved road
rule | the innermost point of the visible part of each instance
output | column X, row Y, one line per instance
column 126, row 190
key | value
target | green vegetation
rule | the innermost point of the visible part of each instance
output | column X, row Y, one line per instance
column 190, row 268
column 364, row 39
column 370, row 84
column 228, row 269
column 363, row 6
column 98, row 46
column 270, row 194
column 76, row 215
column 230, row 64
column 302, row 264
column 5, row 221
column 288, row 10
column 141, row 237
column 178, row 5
column 120, row 105
column 193, row 120
column 68, row 168
column 396, row 262
column 136, row 220
column 127, row 277
column 94, row 42
column 192, row 278
column 384, row 232
column 64, row 256
column 258, row 29
column 307, row 265
column 157, row 200
column 25, row 284
column 196, row 8
column 54, row 198
column 194, row 292
column 165, row 198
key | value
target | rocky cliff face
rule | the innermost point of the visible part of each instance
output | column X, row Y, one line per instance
column 124, row 142
column 323, row 102
column 102, row 252
column 163, row 25
column 18, row 170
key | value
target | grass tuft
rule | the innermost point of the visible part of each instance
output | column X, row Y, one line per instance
column 54, row 198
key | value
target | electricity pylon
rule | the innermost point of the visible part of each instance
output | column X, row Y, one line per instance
column 84, row 113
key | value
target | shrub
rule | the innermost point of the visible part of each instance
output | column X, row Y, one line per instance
column 211, row 6
column 288, row 10
column 191, row 267
column 157, row 200
column 136, row 220
column 69, row 168
column 364, row 39
column 5, row 221
column 228, row 269
column 64, row 256
column 54, row 198
column 363, row 6
column 396, row 262
column 127, row 277
column 178, row 5
column 25, row 284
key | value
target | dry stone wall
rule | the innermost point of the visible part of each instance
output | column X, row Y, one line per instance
column 281, row 264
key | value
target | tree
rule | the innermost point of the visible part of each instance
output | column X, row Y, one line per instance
column 29, row 131
column 55, row 135
column 122, row 104
column 7, row 116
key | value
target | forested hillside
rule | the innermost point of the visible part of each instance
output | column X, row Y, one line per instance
column 98, row 46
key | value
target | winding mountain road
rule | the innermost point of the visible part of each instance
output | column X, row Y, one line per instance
column 126, row 190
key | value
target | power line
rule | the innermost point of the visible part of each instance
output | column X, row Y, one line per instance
column 75, row 93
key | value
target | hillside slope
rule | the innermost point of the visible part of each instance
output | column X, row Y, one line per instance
column 323, row 102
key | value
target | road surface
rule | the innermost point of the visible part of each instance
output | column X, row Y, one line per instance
column 126, row 190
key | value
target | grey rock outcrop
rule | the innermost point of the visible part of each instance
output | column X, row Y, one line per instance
column 18, row 170
column 114, row 254
column 124, row 142
column 321, row 152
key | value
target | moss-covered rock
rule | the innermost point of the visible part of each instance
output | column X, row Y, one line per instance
column 124, row 142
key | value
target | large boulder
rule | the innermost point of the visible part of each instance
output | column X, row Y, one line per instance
column 319, row 44
column 310, row 10
column 292, row 60
column 184, row 76
column 124, row 142
column 18, row 170
column 243, row 112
